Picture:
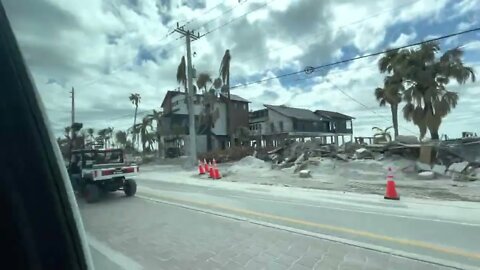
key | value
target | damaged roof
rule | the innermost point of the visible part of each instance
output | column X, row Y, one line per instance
column 296, row 113
column 330, row 114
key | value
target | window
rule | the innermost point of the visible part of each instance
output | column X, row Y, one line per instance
column 349, row 124
column 272, row 127
column 280, row 125
column 245, row 107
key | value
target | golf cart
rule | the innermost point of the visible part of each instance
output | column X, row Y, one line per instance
column 95, row 171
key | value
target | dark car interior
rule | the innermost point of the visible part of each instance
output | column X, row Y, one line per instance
column 38, row 228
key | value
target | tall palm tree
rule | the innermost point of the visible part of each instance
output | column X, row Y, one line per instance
column 91, row 134
column 391, row 94
column 135, row 99
column 182, row 73
column 225, row 76
column 426, row 77
column 144, row 129
column 121, row 138
column 102, row 136
column 202, row 81
column 157, row 117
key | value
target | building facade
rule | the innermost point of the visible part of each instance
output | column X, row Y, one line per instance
column 272, row 125
column 175, row 124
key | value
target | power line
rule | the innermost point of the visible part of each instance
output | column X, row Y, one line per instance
column 362, row 104
column 223, row 14
column 203, row 14
column 311, row 69
column 237, row 18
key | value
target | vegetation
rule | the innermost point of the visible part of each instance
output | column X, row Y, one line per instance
column 182, row 73
column 225, row 76
column 157, row 117
column 382, row 135
column 135, row 99
column 421, row 77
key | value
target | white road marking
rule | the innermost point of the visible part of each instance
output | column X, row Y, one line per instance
column 113, row 255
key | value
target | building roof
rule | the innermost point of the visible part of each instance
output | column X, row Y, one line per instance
column 236, row 98
column 330, row 114
column 296, row 113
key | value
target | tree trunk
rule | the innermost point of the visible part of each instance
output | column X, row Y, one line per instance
column 229, row 123
column 133, row 128
column 394, row 109
column 434, row 134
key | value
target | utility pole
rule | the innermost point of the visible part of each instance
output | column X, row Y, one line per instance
column 72, row 132
column 73, row 105
column 189, row 36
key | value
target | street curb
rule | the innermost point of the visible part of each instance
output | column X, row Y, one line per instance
column 389, row 251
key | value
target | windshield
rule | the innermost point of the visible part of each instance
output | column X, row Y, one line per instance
column 265, row 134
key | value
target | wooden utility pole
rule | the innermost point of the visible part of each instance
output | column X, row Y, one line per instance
column 189, row 36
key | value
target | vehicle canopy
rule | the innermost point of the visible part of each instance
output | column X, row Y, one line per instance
column 87, row 158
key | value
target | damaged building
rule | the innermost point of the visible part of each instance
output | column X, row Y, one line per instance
column 272, row 125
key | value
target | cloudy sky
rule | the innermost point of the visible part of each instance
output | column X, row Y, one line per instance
column 111, row 48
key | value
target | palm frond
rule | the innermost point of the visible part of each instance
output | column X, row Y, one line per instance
column 225, row 67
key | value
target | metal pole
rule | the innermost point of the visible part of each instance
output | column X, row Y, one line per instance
column 189, row 96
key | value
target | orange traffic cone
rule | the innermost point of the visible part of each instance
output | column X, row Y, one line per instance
column 206, row 165
column 201, row 169
column 216, row 174
column 391, row 192
column 211, row 172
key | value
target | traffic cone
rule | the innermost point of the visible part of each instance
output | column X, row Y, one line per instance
column 201, row 169
column 214, row 162
column 217, row 175
column 210, row 172
column 206, row 166
column 391, row 192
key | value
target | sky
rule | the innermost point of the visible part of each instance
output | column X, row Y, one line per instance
column 111, row 48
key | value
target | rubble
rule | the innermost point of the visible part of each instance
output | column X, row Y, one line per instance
column 363, row 153
column 305, row 174
column 426, row 175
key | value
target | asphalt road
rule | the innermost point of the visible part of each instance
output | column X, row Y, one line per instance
column 444, row 240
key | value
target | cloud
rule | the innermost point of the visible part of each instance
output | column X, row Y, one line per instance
column 403, row 40
column 109, row 49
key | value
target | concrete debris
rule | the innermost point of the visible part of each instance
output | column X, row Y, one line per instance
column 301, row 166
column 458, row 167
column 363, row 153
column 439, row 169
column 407, row 139
column 305, row 174
column 342, row 157
column 426, row 175
column 420, row 166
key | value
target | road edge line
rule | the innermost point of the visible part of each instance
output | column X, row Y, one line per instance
column 377, row 248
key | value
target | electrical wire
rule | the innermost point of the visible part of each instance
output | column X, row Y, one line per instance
column 237, row 18
column 203, row 14
column 363, row 105
column 311, row 69
column 219, row 16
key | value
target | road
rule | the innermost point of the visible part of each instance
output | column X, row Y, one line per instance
column 183, row 226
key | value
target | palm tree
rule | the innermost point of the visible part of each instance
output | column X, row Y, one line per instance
column 391, row 94
column 426, row 77
column 109, row 136
column 243, row 135
column 157, row 117
column 225, row 76
column 91, row 133
column 202, row 81
column 135, row 99
column 382, row 135
column 144, row 129
column 182, row 73
column 102, row 136
column 121, row 138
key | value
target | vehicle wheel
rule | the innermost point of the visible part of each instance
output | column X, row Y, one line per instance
column 91, row 193
column 130, row 187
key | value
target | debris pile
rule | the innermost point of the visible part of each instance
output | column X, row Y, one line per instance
column 459, row 159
